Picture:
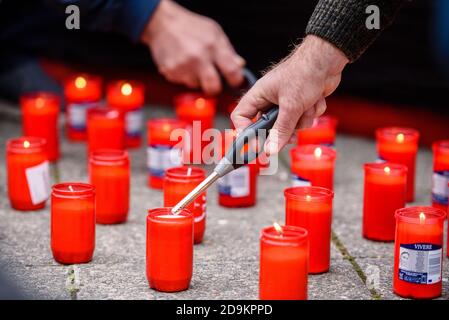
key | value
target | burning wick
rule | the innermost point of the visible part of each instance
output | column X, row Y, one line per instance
column 39, row 103
column 126, row 89
column 278, row 228
column 318, row 152
column 26, row 144
column 200, row 103
column 308, row 198
column 71, row 189
column 80, row 82
column 422, row 218
column 387, row 170
column 400, row 137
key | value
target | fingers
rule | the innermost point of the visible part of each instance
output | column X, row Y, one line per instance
column 209, row 78
column 229, row 62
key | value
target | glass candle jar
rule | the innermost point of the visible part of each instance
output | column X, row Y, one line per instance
column 165, row 140
column 73, row 222
column 110, row 174
column 418, row 252
column 313, row 165
column 169, row 249
column 105, row 129
column 40, row 112
column 284, row 260
column 400, row 145
column 178, row 183
column 81, row 93
column 311, row 209
column 28, row 173
column 385, row 192
column 440, row 177
column 322, row 132
column 129, row 97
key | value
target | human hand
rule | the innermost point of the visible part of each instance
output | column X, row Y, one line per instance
column 191, row 49
column 299, row 85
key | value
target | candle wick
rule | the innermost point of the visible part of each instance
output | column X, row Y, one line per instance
column 189, row 171
column 71, row 189
column 278, row 228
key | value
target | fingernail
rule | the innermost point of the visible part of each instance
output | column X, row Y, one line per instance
column 240, row 61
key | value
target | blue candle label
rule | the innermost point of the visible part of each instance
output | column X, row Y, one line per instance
column 161, row 157
column 298, row 181
column 420, row 263
column 236, row 183
column 133, row 123
column 77, row 114
column 38, row 179
column 440, row 189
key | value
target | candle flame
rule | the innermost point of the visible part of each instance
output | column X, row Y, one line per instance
column 387, row 170
column 26, row 144
column 318, row 152
column 80, row 82
column 422, row 218
column 400, row 138
column 166, row 127
column 278, row 228
column 71, row 188
column 126, row 89
column 39, row 102
column 200, row 103
column 308, row 197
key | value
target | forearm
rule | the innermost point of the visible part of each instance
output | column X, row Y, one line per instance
column 343, row 23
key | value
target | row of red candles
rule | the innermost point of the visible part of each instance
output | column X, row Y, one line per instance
column 315, row 173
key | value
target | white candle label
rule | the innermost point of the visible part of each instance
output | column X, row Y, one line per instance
column 161, row 158
column 440, row 189
column 38, row 179
column 236, row 183
column 133, row 122
column 420, row 263
column 77, row 113
column 298, row 181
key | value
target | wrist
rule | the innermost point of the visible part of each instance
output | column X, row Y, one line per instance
column 157, row 21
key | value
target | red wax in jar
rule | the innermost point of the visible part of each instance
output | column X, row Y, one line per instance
column 400, row 145
column 178, row 183
column 110, row 174
column 82, row 92
column 73, row 222
column 322, row 132
column 311, row 209
column 165, row 136
column 105, row 129
column 385, row 192
column 313, row 165
column 284, row 261
column 28, row 173
column 169, row 249
column 440, row 178
column 129, row 97
column 418, row 252
column 40, row 113
column 198, row 111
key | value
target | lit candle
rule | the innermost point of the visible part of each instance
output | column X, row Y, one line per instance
column 178, row 183
column 400, row 145
column 110, row 174
column 169, row 249
column 322, row 132
column 164, row 150
column 105, row 129
column 311, row 209
column 313, row 165
column 198, row 111
column 73, row 222
column 28, row 173
column 284, row 260
column 81, row 93
column 440, row 178
column 418, row 252
column 129, row 97
column 237, row 189
column 385, row 192
column 40, row 113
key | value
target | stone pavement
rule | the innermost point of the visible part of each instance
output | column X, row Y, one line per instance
column 226, row 264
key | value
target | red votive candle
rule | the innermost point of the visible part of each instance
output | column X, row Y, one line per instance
column 311, row 209
column 73, row 222
column 313, row 165
column 164, row 149
column 110, row 174
column 400, row 145
column 129, row 97
column 198, row 111
column 284, row 260
column 385, row 192
column 169, row 249
column 178, row 183
column 418, row 252
column 28, row 173
column 105, row 129
column 322, row 132
column 440, row 178
column 81, row 93
column 40, row 113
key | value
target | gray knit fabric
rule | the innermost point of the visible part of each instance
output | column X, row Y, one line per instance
column 342, row 23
